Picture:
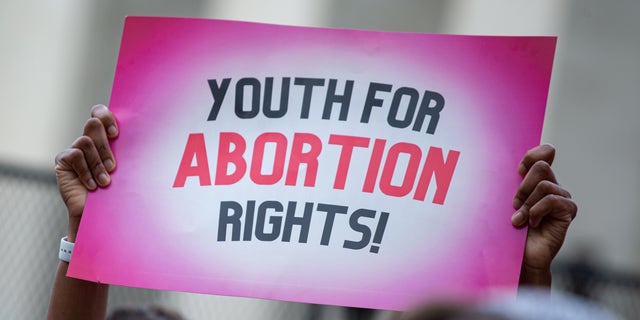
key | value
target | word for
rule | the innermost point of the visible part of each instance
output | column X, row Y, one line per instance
column 404, row 98
column 305, row 150
column 270, row 221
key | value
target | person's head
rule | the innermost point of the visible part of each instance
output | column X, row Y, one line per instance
column 144, row 313
column 531, row 304
column 450, row 311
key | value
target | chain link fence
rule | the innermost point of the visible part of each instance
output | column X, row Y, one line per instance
column 619, row 292
column 34, row 218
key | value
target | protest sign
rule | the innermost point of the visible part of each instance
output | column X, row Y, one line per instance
column 344, row 167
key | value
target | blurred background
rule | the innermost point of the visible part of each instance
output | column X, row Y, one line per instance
column 57, row 59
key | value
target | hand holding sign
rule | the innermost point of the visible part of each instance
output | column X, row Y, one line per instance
column 86, row 164
column 547, row 208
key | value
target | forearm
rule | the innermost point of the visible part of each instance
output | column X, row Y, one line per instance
column 73, row 298
column 76, row 299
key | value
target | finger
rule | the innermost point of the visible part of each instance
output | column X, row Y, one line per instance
column 102, row 113
column 92, row 160
column 95, row 130
column 73, row 159
column 539, row 171
column 554, row 205
column 544, row 152
column 542, row 189
column 520, row 217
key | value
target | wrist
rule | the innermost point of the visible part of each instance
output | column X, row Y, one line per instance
column 72, row 229
column 536, row 277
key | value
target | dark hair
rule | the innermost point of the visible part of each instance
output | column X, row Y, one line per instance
column 144, row 313
column 450, row 311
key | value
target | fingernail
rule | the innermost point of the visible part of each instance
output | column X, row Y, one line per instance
column 517, row 203
column 109, row 164
column 518, row 218
column 92, row 184
column 112, row 130
column 103, row 178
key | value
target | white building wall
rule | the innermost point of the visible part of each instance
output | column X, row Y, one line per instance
column 39, row 43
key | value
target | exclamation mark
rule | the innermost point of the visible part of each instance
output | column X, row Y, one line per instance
column 377, row 238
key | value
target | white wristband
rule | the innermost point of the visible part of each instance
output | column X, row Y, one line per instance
column 66, row 248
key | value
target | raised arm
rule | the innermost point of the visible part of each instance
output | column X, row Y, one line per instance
column 547, row 208
column 82, row 167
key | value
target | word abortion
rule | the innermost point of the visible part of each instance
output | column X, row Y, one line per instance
column 305, row 150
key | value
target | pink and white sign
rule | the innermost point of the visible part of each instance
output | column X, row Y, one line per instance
column 345, row 167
